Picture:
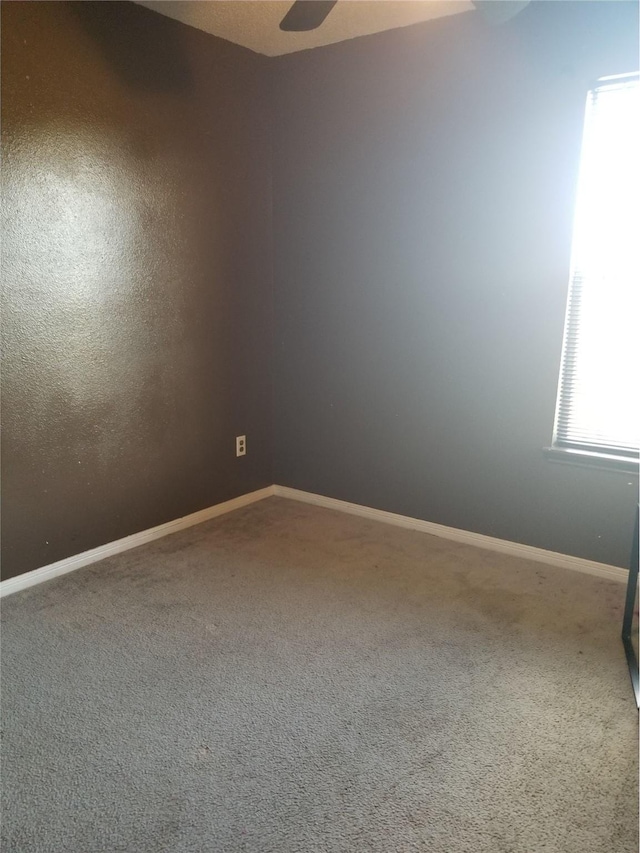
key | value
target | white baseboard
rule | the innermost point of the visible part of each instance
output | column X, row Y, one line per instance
column 86, row 557
column 515, row 549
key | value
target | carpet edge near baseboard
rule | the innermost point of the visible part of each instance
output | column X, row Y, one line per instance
column 109, row 549
column 465, row 537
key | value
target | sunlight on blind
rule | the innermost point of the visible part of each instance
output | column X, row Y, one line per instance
column 598, row 401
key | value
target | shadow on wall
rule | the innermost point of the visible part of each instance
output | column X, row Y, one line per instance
column 165, row 70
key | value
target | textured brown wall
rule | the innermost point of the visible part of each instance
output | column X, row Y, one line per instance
column 136, row 275
column 424, row 183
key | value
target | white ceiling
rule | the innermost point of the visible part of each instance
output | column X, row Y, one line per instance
column 255, row 23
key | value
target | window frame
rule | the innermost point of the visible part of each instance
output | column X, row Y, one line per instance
column 574, row 452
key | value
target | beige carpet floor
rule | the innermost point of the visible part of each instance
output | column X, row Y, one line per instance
column 288, row 679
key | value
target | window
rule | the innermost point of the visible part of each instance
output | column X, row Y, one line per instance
column 598, row 411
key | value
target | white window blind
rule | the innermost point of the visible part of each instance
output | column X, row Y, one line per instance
column 598, row 397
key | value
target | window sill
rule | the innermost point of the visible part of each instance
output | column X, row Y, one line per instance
column 591, row 459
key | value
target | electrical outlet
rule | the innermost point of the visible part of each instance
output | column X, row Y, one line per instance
column 241, row 445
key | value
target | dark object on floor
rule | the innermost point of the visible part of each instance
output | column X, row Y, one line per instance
column 627, row 621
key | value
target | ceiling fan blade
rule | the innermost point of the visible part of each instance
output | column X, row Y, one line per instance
column 306, row 15
column 499, row 11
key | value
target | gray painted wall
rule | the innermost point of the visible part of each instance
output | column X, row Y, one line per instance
column 137, row 261
column 424, row 187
